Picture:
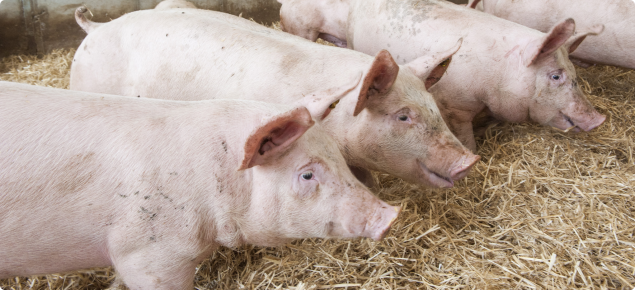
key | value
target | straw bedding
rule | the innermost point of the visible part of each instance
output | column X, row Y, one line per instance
column 544, row 209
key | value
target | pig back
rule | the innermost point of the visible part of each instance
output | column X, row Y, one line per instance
column 198, row 54
column 612, row 47
column 412, row 28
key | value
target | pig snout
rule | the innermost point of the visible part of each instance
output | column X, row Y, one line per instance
column 448, row 162
column 378, row 225
column 462, row 168
column 593, row 122
column 582, row 116
column 362, row 214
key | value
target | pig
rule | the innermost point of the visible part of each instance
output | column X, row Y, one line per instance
column 509, row 71
column 614, row 46
column 153, row 187
column 388, row 122
column 171, row 4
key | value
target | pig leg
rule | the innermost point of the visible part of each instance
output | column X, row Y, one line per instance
column 464, row 132
column 145, row 270
column 364, row 175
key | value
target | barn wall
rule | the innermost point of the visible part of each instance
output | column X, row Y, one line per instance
column 39, row 26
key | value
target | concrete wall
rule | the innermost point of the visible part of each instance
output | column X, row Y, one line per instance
column 39, row 26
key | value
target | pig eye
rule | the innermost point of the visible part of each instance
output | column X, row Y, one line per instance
column 307, row 175
column 403, row 118
column 555, row 77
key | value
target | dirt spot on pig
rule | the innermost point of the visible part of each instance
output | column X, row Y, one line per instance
column 417, row 10
column 76, row 174
column 146, row 214
column 224, row 145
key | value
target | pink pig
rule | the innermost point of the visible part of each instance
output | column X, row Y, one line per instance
column 513, row 72
column 614, row 46
column 153, row 187
column 388, row 122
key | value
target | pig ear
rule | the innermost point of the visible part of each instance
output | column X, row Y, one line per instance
column 472, row 4
column 544, row 46
column 580, row 35
column 274, row 136
column 430, row 69
column 321, row 103
column 378, row 80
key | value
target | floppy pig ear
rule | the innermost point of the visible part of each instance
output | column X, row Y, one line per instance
column 544, row 46
column 274, row 136
column 580, row 35
column 379, row 79
column 321, row 103
column 430, row 69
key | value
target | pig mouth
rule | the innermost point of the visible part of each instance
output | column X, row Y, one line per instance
column 570, row 125
column 435, row 178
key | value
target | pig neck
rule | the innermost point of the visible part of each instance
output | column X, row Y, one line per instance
column 508, row 100
column 228, row 206
column 210, row 149
column 341, row 124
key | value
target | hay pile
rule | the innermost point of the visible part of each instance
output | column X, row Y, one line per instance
column 543, row 210
column 53, row 70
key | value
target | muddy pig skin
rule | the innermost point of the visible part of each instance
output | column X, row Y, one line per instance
column 171, row 4
column 388, row 122
column 152, row 187
column 510, row 71
column 614, row 46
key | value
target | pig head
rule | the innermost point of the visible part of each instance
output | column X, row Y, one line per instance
column 547, row 92
column 383, row 119
column 322, row 198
